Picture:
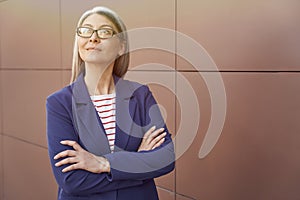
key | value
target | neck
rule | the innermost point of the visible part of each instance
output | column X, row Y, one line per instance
column 99, row 79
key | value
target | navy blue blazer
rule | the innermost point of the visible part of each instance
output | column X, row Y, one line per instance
column 71, row 116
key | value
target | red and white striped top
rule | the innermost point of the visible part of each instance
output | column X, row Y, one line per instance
column 106, row 108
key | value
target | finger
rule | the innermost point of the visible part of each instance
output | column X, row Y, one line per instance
column 71, row 167
column 71, row 143
column 156, row 133
column 159, row 143
column 65, row 153
column 69, row 160
column 147, row 134
column 157, row 139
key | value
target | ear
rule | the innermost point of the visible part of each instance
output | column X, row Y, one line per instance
column 122, row 48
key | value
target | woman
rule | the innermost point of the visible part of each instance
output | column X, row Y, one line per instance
column 106, row 137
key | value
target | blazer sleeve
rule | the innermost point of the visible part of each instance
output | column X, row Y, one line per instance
column 76, row 182
column 146, row 164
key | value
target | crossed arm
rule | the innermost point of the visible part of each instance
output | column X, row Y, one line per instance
column 79, row 172
column 82, row 159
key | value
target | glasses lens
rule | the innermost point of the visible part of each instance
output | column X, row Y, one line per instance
column 105, row 33
column 84, row 32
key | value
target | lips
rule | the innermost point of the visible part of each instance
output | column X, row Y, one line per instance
column 93, row 48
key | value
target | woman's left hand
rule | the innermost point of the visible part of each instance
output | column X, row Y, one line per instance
column 81, row 159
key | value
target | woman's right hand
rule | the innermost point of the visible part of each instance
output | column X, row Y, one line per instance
column 81, row 159
column 152, row 139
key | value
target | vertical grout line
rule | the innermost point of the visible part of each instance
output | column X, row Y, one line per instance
column 175, row 15
column 2, row 195
column 1, row 135
column 1, row 141
column 1, row 120
column 60, row 45
column 2, row 160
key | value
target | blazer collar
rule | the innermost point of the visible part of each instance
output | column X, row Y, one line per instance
column 85, row 112
column 81, row 95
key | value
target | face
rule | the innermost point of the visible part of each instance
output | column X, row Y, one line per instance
column 96, row 50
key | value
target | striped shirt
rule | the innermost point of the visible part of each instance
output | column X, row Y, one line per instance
column 106, row 108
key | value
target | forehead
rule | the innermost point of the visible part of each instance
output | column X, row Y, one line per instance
column 97, row 20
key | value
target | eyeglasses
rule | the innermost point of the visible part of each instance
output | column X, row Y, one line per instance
column 102, row 33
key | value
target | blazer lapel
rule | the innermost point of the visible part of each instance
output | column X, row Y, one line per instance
column 124, row 114
column 86, row 120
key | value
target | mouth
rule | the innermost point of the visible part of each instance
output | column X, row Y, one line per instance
column 93, row 49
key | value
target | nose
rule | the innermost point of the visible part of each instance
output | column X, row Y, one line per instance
column 94, row 38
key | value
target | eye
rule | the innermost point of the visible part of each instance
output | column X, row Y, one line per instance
column 84, row 31
column 105, row 33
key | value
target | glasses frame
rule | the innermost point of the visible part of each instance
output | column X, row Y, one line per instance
column 95, row 30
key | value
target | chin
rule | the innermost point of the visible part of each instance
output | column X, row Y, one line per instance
column 99, row 62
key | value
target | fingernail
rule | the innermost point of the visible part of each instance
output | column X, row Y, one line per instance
column 153, row 127
column 162, row 129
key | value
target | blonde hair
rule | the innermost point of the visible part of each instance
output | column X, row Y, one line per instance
column 122, row 62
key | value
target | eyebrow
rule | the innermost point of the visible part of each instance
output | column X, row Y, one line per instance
column 102, row 26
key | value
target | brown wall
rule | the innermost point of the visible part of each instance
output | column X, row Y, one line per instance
column 255, row 45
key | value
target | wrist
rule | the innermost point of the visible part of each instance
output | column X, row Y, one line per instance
column 103, row 164
column 107, row 164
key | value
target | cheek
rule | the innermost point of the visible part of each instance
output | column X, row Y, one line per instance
column 81, row 48
column 114, row 48
column 81, row 52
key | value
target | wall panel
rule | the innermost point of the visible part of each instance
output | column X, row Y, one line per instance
column 244, row 35
column 27, row 172
column 30, row 35
column 256, row 155
column 180, row 197
column 24, row 102
column 165, row 194
column 66, row 77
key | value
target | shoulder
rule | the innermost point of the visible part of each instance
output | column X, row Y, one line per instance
column 62, row 96
column 139, row 93
column 135, row 88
